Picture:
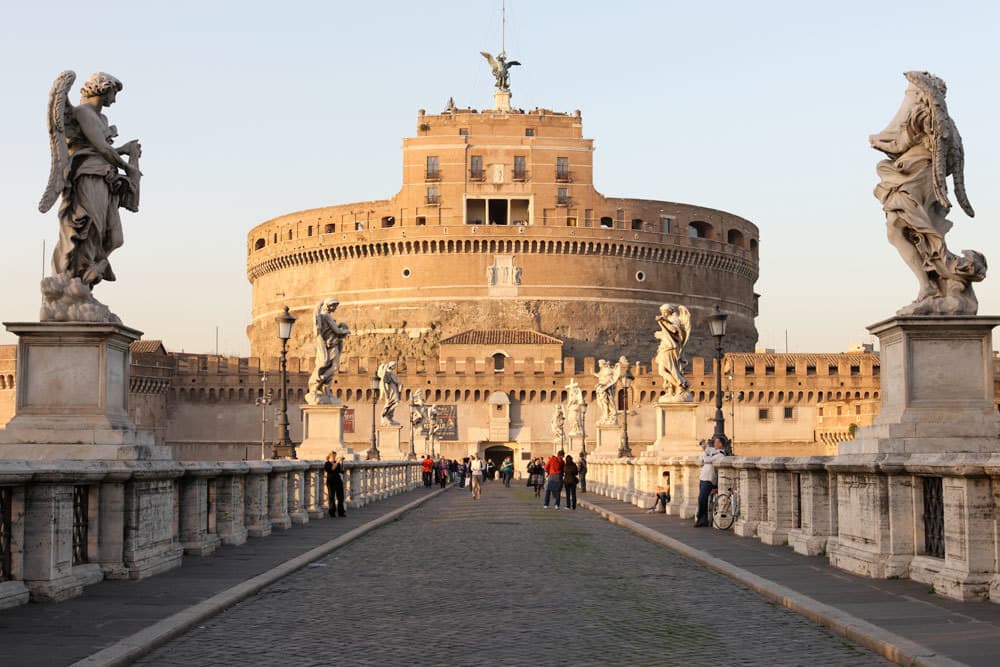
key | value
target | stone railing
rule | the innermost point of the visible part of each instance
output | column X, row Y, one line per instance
column 933, row 518
column 67, row 524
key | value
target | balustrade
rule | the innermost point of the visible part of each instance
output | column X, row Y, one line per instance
column 68, row 524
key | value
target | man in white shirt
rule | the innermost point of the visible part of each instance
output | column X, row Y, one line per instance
column 709, row 479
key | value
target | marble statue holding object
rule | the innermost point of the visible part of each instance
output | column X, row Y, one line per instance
column 576, row 409
column 605, row 388
column 330, row 336
column 675, row 329
column 501, row 68
column 923, row 148
column 418, row 408
column 93, row 180
column 559, row 424
column 389, row 387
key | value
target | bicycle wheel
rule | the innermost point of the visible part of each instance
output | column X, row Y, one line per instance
column 723, row 516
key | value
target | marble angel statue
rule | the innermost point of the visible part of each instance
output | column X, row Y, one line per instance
column 559, row 424
column 576, row 409
column 389, row 387
column 330, row 336
column 924, row 147
column 675, row 329
column 94, row 179
column 605, row 389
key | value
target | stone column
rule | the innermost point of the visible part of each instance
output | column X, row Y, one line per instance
column 314, row 488
column 816, row 527
column 197, row 509
column 753, row 500
column 277, row 495
column 774, row 528
column 258, row 517
column 15, row 476
column 151, row 544
column 111, row 546
column 686, row 485
column 297, row 496
column 230, row 504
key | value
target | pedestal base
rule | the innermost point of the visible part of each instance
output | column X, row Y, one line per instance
column 322, row 431
column 390, row 445
column 72, row 394
column 609, row 441
column 676, row 430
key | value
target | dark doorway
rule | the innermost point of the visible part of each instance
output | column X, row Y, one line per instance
column 496, row 454
column 498, row 211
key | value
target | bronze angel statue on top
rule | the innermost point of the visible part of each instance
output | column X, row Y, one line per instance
column 923, row 148
column 94, row 180
column 501, row 68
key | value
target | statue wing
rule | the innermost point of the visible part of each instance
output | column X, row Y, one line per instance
column 59, row 113
column 493, row 61
column 512, row 63
column 617, row 374
column 684, row 315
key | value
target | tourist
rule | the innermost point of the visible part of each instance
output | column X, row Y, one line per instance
column 491, row 470
column 554, row 483
column 507, row 471
column 662, row 494
column 476, row 468
column 334, row 468
column 464, row 472
column 536, row 475
column 571, row 476
column 453, row 470
column 427, row 465
column 709, row 478
column 583, row 471
column 442, row 472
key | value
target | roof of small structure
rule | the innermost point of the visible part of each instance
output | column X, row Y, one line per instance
column 498, row 397
column 148, row 346
column 501, row 337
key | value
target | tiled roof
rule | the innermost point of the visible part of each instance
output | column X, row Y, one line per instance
column 151, row 346
column 501, row 337
column 793, row 358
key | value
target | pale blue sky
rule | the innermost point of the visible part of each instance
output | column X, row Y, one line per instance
column 250, row 110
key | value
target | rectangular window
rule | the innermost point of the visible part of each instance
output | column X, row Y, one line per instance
column 832, row 370
column 432, row 195
column 570, row 222
column 637, row 224
column 789, row 413
column 790, row 369
column 520, row 173
column 588, row 217
column 359, row 225
column 562, row 169
column 562, row 196
column 840, row 410
column 529, row 132
column 463, row 131
column 763, row 414
column 876, row 370
column 433, row 171
column 810, row 369
column 748, row 370
column 857, row 409
column 855, row 370
column 421, row 220
column 665, row 224
column 821, row 412
column 769, row 369
column 309, row 232
column 476, row 167
column 330, row 228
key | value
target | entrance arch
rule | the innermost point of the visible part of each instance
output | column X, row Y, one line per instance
column 496, row 454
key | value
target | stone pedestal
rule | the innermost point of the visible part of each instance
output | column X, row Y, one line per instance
column 501, row 100
column 937, row 388
column 676, row 431
column 72, row 394
column 322, row 431
column 609, row 440
column 390, row 444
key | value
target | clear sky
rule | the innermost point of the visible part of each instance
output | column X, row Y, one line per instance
column 249, row 110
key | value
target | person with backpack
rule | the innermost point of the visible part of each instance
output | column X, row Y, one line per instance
column 554, row 482
column 571, row 476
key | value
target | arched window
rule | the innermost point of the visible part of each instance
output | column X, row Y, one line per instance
column 498, row 362
column 258, row 244
column 735, row 237
column 701, row 230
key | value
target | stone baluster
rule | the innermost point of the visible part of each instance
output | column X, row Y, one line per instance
column 753, row 500
column 230, row 504
column 297, row 497
column 258, row 516
column 315, row 487
column 277, row 494
column 817, row 520
column 354, row 485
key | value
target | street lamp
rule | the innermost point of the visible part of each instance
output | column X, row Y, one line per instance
column 284, row 446
column 413, row 452
column 264, row 400
column 717, row 323
column 627, row 378
column 373, row 454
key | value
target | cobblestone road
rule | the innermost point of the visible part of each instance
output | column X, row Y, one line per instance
column 502, row 581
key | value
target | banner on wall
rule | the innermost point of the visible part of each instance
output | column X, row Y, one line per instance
column 348, row 420
column 447, row 423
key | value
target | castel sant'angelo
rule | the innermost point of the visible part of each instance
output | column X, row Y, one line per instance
column 498, row 226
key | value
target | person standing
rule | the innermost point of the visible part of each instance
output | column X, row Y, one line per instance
column 536, row 476
column 427, row 466
column 583, row 472
column 507, row 471
column 571, row 476
column 476, row 468
column 554, row 483
column 442, row 472
column 708, row 479
column 334, row 469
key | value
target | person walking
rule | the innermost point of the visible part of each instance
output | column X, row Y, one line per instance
column 571, row 476
column 427, row 466
column 536, row 475
column 334, row 469
column 476, row 467
column 554, row 483
column 507, row 471
column 583, row 472
column 708, row 479
column 442, row 469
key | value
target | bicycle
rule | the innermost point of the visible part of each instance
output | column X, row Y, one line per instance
column 724, row 508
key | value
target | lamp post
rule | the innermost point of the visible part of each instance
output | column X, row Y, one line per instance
column 583, row 427
column 413, row 452
column 264, row 400
column 627, row 378
column 732, row 405
column 373, row 454
column 717, row 323
column 284, row 445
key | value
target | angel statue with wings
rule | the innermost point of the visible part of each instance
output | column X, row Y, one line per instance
column 330, row 336
column 389, row 387
column 923, row 148
column 605, row 390
column 501, row 68
column 94, row 180
column 675, row 329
